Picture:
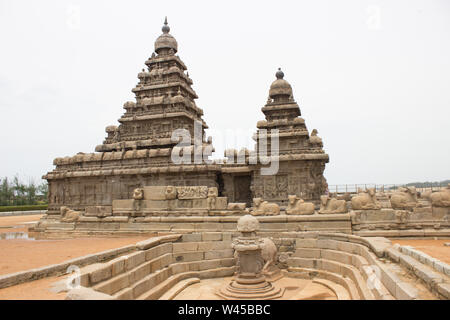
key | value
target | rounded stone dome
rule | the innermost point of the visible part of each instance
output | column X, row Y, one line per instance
column 280, row 87
column 248, row 223
column 166, row 41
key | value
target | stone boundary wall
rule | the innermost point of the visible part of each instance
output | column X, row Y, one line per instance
column 12, row 279
column 189, row 224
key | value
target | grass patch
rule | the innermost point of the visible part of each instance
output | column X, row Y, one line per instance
column 23, row 208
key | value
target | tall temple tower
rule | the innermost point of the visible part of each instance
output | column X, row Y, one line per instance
column 139, row 151
column 301, row 156
column 165, row 102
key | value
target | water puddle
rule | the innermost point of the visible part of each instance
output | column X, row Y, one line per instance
column 15, row 235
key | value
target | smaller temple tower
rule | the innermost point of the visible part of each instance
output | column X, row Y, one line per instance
column 301, row 155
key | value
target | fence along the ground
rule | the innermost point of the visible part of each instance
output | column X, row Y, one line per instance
column 353, row 188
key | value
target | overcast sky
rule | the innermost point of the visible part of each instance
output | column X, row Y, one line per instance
column 373, row 77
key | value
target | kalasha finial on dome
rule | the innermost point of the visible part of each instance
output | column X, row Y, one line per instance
column 165, row 27
column 279, row 74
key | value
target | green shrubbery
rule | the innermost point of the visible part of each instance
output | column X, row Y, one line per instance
column 15, row 193
column 23, row 208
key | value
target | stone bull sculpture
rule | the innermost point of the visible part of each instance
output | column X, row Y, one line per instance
column 265, row 208
column 332, row 205
column 440, row 198
column 298, row 206
column 404, row 198
column 365, row 200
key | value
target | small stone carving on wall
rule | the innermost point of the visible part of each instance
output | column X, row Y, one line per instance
column 192, row 192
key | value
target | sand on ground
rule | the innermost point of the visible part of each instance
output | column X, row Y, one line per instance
column 434, row 248
column 21, row 254
column 18, row 223
column 35, row 290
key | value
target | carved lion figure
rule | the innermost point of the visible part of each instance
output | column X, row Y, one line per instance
column 315, row 139
column 404, row 198
column 332, row 205
column 268, row 253
column 441, row 198
column 365, row 200
column 171, row 193
column 138, row 194
column 68, row 215
column 299, row 206
column 265, row 208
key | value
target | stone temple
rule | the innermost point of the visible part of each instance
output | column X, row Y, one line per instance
column 137, row 152
column 258, row 225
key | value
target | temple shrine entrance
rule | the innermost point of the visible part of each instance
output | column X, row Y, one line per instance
column 242, row 191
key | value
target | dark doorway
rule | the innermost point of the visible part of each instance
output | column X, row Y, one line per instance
column 242, row 191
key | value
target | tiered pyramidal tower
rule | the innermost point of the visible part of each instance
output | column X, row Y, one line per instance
column 138, row 152
column 301, row 155
column 165, row 102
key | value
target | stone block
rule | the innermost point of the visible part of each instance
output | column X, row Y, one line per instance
column 327, row 244
column 306, row 243
column 209, row 264
column 101, row 273
column 155, row 192
column 212, row 236
column 157, row 251
column 219, row 254
column 307, row 253
column 134, row 259
column 405, row 291
column 117, row 265
column 335, row 255
column 188, row 256
column 221, row 203
column 191, row 237
column 141, row 287
column 393, row 254
column 122, row 205
column 179, row 268
column 444, row 289
column 184, row 247
column 83, row 293
column 113, row 285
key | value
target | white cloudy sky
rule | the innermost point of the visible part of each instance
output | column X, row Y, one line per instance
column 372, row 76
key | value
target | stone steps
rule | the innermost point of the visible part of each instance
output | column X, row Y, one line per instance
column 345, row 282
column 176, row 289
column 338, row 290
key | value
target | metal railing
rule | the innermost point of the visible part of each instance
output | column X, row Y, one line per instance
column 353, row 188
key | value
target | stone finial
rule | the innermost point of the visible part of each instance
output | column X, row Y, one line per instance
column 165, row 28
column 248, row 223
column 279, row 74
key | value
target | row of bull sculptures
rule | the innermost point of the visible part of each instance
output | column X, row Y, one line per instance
column 175, row 198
